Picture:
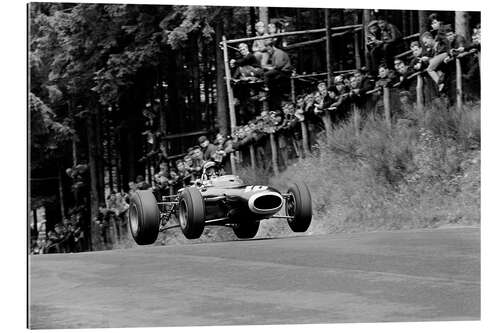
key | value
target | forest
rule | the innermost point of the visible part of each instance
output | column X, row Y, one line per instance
column 114, row 89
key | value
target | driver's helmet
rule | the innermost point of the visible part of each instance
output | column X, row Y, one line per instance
column 210, row 170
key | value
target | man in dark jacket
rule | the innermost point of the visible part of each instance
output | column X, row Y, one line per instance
column 247, row 67
column 279, row 71
column 363, row 84
column 207, row 148
column 391, row 39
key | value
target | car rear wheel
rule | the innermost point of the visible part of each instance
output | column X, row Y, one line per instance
column 144, row 217
column 247, row 229
column 299, row 205
column 192, row 213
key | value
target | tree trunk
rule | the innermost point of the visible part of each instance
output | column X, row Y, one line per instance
column 328, row 47
column 462, row 25
column 423, row 21
column 253, row 20
column 222, row 123
column 366, row 20
column 95, row 239
column 264, row 15
column 100, row 154
column 61, row 193
column 161, row 93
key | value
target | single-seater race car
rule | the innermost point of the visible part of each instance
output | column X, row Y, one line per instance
column 217, row 201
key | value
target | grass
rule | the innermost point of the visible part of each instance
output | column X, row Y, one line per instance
column 423, row 173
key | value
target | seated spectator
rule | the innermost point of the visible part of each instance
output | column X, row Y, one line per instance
column 273, row 29
column 374, row 44
column 279, row 70
column 259, row 48
column 391, row 38
column 247, row 67
column 437, row 51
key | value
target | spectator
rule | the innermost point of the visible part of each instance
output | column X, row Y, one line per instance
column 103, row 220
column 198, row 162
column 247, row 67
column 132, row 187
column 280, row 69
column 363, row 84
column 141, row 183
column 208, row 148
column 406, row 84
column 259, row 48
column 457, row 43
column 391, row 38
column 386, row 76
column 374, row 44
column 436, row 53
column 436, row 26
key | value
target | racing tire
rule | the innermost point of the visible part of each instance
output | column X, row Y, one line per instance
column 246, row 229
column 144, row 217
column 299, row 205
column 191, row 213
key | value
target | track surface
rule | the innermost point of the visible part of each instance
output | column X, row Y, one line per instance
column 364, row 277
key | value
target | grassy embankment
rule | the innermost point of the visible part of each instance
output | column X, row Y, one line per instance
column 425, row 173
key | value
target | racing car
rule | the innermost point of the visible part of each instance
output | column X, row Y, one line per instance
column 217, row 200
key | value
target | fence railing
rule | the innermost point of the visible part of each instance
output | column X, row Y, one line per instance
column 356, row 112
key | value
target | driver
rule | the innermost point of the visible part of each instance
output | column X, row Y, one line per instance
column 210, row 171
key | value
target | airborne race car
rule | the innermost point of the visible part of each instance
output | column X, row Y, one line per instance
column 217, row 201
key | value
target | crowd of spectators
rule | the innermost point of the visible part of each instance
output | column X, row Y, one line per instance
column 66, row 237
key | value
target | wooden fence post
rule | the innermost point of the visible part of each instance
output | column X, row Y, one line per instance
column 459, row 85
column 387, row 107
column 305, row 138
column 274, row 154
column 356, row 115
column 252, row 156
column 420, row 93
column 327, row 121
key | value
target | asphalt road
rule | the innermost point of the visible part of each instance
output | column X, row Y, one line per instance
column 365, row 277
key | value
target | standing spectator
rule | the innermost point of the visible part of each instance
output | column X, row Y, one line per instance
column 259, row 45
column 103, row 220
column 364, row 83
column 404, row 72
column 457, row 43
column 197, row 162
column 208, row 148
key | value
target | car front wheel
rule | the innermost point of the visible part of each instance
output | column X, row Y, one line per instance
column 299, row 207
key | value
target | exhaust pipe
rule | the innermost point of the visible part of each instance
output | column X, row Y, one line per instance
column 265, row 203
